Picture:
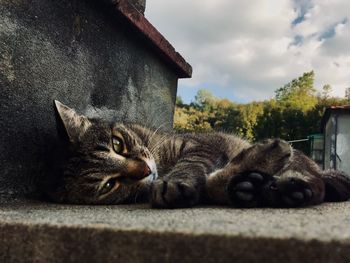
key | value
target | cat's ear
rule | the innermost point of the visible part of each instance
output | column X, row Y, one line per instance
column 75, row 125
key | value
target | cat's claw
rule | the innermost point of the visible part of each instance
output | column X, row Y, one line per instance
column 173, row 194
column 245, row 189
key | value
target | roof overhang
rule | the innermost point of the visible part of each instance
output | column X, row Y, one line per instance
column 152, row 36
column 336, row 110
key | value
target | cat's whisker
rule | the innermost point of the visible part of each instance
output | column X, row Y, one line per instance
column 159, row 142
column 163, row 115
column 154, row 149
column 154, row 133
column 152, row 137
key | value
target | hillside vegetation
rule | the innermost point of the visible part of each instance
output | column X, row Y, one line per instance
column 294, row 113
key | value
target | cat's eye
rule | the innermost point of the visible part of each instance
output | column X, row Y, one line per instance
column 118, row 145
column 108, row 186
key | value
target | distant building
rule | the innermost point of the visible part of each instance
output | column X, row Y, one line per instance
column 316, row 144
column 336, row 129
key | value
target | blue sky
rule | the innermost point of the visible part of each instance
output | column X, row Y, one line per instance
column 244, row 50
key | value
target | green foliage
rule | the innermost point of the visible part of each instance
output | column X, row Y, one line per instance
column 299, row 93
column 205, row 100
column 179, row 101
column 326, row 91
column 191, row 119
column 295, row 113
column 347, row 94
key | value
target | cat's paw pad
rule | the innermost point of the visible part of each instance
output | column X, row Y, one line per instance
column 245, row 189
column 294, row 193
column 173, row 194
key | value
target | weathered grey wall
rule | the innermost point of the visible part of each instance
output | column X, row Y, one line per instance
column 76, row 52
column 337, row 143
column 139, row 4
column 343, row 142
column 328, row 133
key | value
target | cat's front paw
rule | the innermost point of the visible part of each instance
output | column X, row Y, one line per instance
column 268, row 157
column 173, row 194
column 292, row 192
column 245, row 189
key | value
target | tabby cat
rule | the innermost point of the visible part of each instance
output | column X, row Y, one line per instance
column 115, row 163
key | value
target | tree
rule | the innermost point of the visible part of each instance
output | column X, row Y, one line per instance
column 347, row 94
column 249, row 114
column 299, row 93
column 205, row 99
column 179, row 101
column 295, row 113
column 191, row 119
column 326, row 91
column 270, row 122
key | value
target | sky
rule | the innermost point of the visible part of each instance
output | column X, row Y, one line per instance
column 245, row 50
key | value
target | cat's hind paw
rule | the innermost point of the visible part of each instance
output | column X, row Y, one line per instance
column 173, row 194
column 245, row 189
column 292, row 192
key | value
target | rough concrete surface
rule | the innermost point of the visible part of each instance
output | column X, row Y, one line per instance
column 39, row 232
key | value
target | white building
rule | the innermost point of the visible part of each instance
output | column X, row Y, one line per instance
column 336, row 129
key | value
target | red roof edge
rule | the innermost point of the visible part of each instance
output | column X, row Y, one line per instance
column 343, row 107
column 138, row 21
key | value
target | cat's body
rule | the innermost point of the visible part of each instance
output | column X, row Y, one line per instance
column 122, row 163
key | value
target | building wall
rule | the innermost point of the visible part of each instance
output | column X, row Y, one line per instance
column 82, row 55
column 139, row 4
column 329, row 132
column 343, row 143
column 339, row 144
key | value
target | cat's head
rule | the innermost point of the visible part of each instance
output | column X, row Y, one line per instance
column 108, row 163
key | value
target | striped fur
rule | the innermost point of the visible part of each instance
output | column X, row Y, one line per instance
column 181, row 170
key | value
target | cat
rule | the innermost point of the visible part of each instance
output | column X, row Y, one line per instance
column 118, row 163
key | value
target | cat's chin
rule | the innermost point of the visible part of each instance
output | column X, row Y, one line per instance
column 154, row 174
column 150, row 179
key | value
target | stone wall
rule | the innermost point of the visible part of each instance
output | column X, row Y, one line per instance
column 83, row 54
column 139, row 4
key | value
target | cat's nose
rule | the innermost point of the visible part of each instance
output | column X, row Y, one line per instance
column 147, row 171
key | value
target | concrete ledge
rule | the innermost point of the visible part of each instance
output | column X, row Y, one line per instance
column 38, row 232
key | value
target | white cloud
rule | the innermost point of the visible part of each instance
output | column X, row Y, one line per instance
column 245, row 49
